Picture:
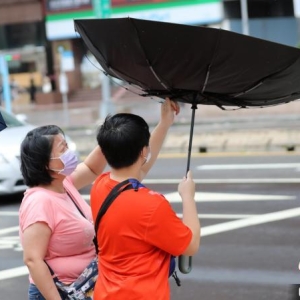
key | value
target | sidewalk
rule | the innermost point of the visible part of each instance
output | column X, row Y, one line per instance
column 265, row 129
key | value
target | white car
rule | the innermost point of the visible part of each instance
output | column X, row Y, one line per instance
column 11, row 180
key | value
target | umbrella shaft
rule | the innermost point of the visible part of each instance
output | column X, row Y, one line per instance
column 194, row 107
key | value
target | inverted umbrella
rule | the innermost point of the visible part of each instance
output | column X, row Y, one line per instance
column 196, row 65
column 2, row 123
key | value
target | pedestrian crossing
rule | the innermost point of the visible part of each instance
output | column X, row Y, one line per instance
column 9, row 238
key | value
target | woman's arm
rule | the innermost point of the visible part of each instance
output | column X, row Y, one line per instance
column 87, row 171
column 168, row 111
column 35, row 242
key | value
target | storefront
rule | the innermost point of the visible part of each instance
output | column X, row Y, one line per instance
column 61, row 13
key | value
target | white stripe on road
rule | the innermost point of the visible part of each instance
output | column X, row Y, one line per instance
column 249, row 166
column 9, row 213
column 219, row 197
column 260, row 219
column 219, row 216
column 9, row 229
column 14, row 272
column 225, row 180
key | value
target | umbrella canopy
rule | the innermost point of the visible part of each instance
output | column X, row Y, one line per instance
column 2, row 123
column 193, row 64
column 196, row 65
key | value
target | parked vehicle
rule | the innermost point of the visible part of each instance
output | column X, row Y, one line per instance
column 11, row 180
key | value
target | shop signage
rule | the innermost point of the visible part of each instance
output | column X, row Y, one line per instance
column 54, row 6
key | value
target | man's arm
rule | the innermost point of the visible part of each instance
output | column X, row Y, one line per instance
column 168, row 111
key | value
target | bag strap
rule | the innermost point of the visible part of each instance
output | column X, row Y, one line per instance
column 76, row 204
column 113, row 194
column 94, row 239
column 54, row 276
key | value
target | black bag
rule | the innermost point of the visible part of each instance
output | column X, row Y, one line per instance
column 114, row 193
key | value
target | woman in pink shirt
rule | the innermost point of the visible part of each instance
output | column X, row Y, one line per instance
column 52, row 229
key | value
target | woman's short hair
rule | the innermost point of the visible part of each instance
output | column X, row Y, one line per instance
column 122, row 138
column 35, row 154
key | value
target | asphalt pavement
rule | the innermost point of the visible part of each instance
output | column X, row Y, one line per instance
column 215, row 130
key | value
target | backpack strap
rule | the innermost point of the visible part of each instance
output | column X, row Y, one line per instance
column 127, row 184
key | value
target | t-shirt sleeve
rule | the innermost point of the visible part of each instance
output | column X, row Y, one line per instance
column 166, row 231
column 38, row 208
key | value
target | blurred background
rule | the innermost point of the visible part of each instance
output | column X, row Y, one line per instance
column 38, row 41
column 44, row 66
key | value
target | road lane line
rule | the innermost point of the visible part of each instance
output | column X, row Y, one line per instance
column 14, row 272
column 9, row 229
column 260, row 219
column 249, row 166
column 9, row 213
column 219, row 216
column 244, row 276
column 221, row 197
column 225, row 180
column 227, row 197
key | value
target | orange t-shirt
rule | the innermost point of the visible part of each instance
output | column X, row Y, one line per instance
column 136, row 237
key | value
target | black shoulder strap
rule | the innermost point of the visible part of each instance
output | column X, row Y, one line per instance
column 113, row 194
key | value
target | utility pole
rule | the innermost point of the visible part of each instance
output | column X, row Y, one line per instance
column 64, row 87
column 245, row 19
column 102, row 10
column 5, row 83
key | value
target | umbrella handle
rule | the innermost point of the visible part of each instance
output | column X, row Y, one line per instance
column 183, row 267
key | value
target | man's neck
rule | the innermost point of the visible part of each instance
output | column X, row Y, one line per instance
column 125, row 173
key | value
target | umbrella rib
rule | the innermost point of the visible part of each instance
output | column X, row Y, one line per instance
column 206, row 79
column 147, row 60
column 96, row 50
column 249, row 90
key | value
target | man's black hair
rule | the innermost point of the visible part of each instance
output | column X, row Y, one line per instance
column 122, row 138
column 35, row 155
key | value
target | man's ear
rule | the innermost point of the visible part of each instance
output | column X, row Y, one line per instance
column 144, row 151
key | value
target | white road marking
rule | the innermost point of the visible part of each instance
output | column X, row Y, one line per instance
column 218, row 197
column 9, row 229
column 260, row 219
column 9, row 213
column 10, row 242
column 225, row 180
column 14, row 272
column 220, row 216
column 250, row 166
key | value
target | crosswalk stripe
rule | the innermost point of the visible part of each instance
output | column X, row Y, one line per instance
column 250, row 166
column 217, row 197
column 259, row 219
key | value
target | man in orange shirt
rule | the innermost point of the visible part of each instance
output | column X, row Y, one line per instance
column 140, row 231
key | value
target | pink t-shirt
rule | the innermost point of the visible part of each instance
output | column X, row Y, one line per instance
column 71, row 245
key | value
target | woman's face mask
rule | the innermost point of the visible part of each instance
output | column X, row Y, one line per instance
column 70, row 161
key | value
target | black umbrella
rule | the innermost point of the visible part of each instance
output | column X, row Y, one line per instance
column 196, row 65
column 2, row 123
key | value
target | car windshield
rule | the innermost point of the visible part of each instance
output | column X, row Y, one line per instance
column 10, row 120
